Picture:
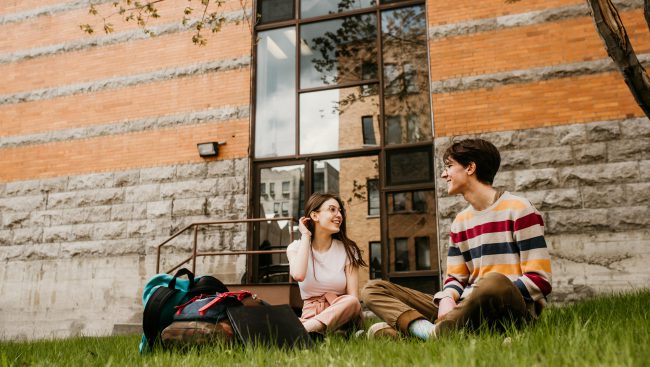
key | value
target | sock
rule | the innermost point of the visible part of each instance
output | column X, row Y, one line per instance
column 421, row 328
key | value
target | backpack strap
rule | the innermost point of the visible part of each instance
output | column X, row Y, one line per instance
column 239, row 295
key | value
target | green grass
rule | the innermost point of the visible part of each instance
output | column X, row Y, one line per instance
column 607, row 331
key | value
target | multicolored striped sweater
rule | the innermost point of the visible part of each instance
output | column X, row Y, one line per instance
column 507, row 237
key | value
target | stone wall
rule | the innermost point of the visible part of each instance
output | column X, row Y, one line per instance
column 592, row 184
column 76, row 251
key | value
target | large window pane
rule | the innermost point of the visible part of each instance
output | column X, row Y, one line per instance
column 401, row 254
column 274, row 10
column 406, row 87
column 338, row 51
column 313, row 8
column 275, row 107
column 272, row 235
column 348, row 178
column 422, row 253
column 331, row 120
column 410, row 166
column 375, row 260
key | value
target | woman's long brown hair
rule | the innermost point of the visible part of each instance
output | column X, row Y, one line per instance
column 313, row 204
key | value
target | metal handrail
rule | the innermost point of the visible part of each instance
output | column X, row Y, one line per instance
column 196, row 254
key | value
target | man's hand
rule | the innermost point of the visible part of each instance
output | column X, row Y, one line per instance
column 446, row 304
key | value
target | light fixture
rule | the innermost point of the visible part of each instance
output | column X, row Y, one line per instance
column 210, row 149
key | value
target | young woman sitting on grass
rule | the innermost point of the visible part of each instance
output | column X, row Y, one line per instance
column 325, row 262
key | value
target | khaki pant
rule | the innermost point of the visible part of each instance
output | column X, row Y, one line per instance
column 331, row 310
column 494, row 299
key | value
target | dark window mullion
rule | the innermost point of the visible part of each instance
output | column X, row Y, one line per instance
column 297, row 73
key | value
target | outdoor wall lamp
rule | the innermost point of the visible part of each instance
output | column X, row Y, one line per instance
column 210, row 149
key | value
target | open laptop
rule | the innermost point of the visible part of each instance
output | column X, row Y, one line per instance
column 269, row 325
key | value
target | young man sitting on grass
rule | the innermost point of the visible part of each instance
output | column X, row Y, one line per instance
column 498, row 266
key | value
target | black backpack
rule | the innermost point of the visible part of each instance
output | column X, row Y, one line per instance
column 163, row 293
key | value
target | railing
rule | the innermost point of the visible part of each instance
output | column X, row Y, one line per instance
column 195, row 251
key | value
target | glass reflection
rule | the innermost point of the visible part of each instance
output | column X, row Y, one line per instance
column 348, row 178
column 337, row 119
column 273, row 235
column 274, row 10
column 312, row 8
column 406, row 97
column 275, row 107
column 338, row 51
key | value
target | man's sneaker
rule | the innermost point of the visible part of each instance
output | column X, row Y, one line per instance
column 382, row 330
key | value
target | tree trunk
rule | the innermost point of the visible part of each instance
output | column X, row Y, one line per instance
column 618, row 46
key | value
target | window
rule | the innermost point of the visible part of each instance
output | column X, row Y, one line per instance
column 368, row 130
column 373, row 197
column 399, row 202
column 276, row 209
column 272, row 189
column 393, row 130
column 401, row 254
column 285, row 189
column 263, row 189
column 274, row 10
column 422, row 253
column 285, row 209
column 409, row 167
column 375, row 260
column 419, row 203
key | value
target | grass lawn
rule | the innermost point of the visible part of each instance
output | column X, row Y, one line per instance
column 608, row 331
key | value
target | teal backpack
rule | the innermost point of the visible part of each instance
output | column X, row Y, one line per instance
column 161, row 295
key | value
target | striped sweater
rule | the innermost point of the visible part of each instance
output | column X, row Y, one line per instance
column 507, row 237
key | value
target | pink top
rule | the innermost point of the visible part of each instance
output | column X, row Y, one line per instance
column 328, row 268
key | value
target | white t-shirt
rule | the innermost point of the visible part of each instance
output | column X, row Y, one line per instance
column 329, row 268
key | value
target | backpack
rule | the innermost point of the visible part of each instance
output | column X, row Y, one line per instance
column 161, row 295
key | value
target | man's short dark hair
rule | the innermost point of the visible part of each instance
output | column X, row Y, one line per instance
column 483, row 153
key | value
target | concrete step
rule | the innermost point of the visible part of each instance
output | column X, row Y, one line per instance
column 127, row 329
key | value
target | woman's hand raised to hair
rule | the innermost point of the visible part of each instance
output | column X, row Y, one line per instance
column 302, row 226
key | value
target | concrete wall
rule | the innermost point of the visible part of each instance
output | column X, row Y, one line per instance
column 592, row 184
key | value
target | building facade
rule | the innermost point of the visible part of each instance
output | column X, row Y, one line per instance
column 99, row 134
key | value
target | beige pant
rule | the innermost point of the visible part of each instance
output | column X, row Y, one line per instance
column 493, row 299
column 331, row 310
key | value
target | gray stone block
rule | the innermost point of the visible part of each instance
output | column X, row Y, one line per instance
column 440, row 145
column 534, row 138
column 635, row 128
column 501, row 139
column 100, row 197
column 140, row 228
column 603, row 131
column 558, row 199
column 6, row 237
column 126, row 178
column 57, row 234
column 83, row 232
column 515, row 159
column 576, row 221
column 14, row 219
column 43, row 218
column 504, row 180
column 216, row 206
column 122, row 212
column 638, row 193
column 628, row 150
column 188, row 189
column 109, row 231
column 570, row 134
column 536, row 179
column 62, row 200
column 159, row 209
column 31, row 236
column 604, row 196
column 221, row 168
column 230, row 185
column 191, row 171
column 139, row 210
column 449, row 206
column 91, row 181
column 23, row 188
column 590, row 153
column 142, row 193
column 56, row 184
column 631, row 217
column 3, row 187
column 553, row 157
column 241, row 167
column 22, row 203
column 594, row 174
column 186, row 207
column 644, row 170
column 91, row 214
column 157, row 174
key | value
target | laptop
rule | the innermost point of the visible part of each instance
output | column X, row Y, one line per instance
column 269, row 325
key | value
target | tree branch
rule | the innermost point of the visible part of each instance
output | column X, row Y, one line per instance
column 612, row 32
